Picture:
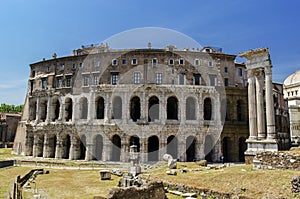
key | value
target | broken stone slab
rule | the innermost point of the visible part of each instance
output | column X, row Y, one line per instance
column 166, row 157
column 171, row 172
column 172, row 164
column 178, row 193
column 187, row 195
column 105, row 175
column 184, row 170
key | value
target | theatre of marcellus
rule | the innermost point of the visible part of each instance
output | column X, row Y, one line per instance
column 190, row 103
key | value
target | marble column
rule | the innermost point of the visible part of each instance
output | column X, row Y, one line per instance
column 271, row 133
column 252, row 106
column 260, row 106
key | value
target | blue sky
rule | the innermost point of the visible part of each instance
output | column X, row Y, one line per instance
column 31, row 30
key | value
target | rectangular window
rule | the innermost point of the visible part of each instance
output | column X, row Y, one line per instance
column 97, row 64
column 68, row 81
column 171, row 62
column 226, row 70
column 240, row 72
column 96, row 79
column 226, row 82
column 158, row 78
column 154, row 62
column 44, row 83
column 59, row 83
column 181, row 61
column 85, row 81
column 181, row 79
column 210, row 63
column 48, row 68
column 80, row 65
column 114, row 62
column 197, row 79
column 134, row 61
column 212, row 79
column 74, row 66
column 124, row 62
column 137, row 77
column 197, row 63
column 62, row 66
column 114, row 79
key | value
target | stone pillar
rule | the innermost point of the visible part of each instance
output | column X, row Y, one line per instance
column 124, row 151
column 162, row 148
column 162, row 109
column 46, row 146
column 58, row 149
column 91, row 107
column 182, row 148
column 260, row 106
column 49, row 110
column 89, row 151
column 271, row 133
column 37, row 116
column 106, row 152
column 74, row 111
column 35, row 145
column 61, row 116
column 107, row 109
column 252, row 106
column 74, row 153
column 143, row 149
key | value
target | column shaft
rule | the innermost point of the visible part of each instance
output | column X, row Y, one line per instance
column 260, row 107
column 271, row 133
column 252, row 107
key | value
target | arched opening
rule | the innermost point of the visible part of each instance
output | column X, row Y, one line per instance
column 135, row 140
column 68, row 109
column 29, row 145
column 43, row 111
column 239, row 110
column 242, row 149
column 208, row 148
column 190, row 149
column 83, row 105
column 66, row 144
column 153, row 109
column 99, row 108
column 40, row 146
column 117, row 108
column 82, row 147
column 172, row 146
column 227, row 149
column 153, row 148
column 55, row 109
column 172, row 108
column 135, row 108
column 32, row 110
column 98, row 147
column 207, row 109
column 52, row 146
column 190, row 109
column 116, row 148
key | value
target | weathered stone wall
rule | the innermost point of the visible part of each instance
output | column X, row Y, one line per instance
column 276, row 160
column 154, row 190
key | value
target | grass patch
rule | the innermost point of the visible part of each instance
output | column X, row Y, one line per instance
column 5, row 154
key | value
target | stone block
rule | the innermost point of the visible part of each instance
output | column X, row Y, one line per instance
column 105, row 175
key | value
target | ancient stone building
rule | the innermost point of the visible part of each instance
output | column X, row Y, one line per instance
column 292, row 95
column 96, row 103
column 8, row 128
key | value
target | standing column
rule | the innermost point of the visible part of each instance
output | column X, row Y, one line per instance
column 35, row 146
column 143, row 149
column 271, row 133
column 46, row 146
column 106, row 109
column 61, row 115
column 260, row 106
column 49, row 110
column 74, row 111
column 91, row 107
column 37, row 116
column 58, row 149
column 252, row 106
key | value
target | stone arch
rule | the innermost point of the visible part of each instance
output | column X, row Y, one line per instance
column 209, row 148
column 66, row 145
column 82, row 147
column 32, row 110
column 153, row 109
column 207, row 109
column 52, row 145
column 172, row 108
column 117, row 108
column 240, row 110
column 190, row 108
column 55, row 109
column 135, row 140
column 116, row 148
column 153, row 148
column 40, row 145
column 98, row 143
column 242, row 148
column 227, row 149
column 83, row 108
column 68, row 109
column 100, row 107
column 135, row 108
column 43, row 109
column 172, row 146
column 190, row 148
